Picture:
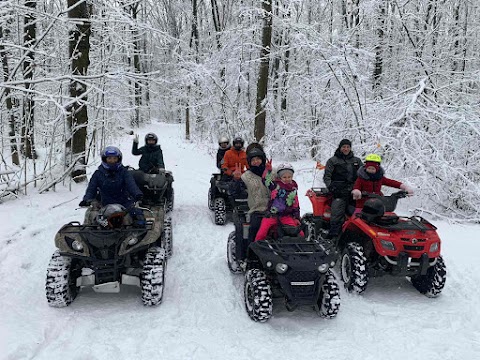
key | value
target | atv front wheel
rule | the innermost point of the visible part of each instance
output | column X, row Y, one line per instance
column 152, row 280
column 61, row 283
column 258, row 295
column 329, row 299
column 353, row 268
column 431, row 284
column 220, row 209
column 167, row 236
column 233, row 264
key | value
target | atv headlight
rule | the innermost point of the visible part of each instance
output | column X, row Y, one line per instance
column 387, row 245
column 77, row 245
column 434, row 247
column 269, row 264
column 332, row 264
column 132, row 240
column 323, row 268
column 281, row 268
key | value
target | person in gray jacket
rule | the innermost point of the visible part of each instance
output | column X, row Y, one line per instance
column 339, row 177
column 258, row 195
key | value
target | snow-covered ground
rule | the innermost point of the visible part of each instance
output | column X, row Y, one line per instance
column 202, row 315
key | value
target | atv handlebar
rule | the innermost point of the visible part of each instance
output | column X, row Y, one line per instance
column 399, row 194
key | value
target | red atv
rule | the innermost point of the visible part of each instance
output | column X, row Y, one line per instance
column 376, row 241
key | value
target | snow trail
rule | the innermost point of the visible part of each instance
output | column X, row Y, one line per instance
column 202, row 315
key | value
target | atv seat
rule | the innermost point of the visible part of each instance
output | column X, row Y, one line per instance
column 386, row 220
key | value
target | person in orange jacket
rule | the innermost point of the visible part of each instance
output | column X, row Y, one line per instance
column 234, row 158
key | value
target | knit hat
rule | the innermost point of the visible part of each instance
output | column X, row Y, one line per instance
column 255, row 152
column 345, row 142
column 376, row 165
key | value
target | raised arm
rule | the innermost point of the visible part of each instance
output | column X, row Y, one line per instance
column 136, row 150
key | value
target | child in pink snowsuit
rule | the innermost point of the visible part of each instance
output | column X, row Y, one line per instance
column 283, row 205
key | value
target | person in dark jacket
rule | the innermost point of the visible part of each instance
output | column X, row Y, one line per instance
column 115, row 185
column 224, row 146
column 152, row 155
column 339, row 177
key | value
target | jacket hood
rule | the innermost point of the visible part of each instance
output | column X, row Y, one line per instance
column 362, row 173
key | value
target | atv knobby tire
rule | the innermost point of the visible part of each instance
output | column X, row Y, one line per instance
column 152, row 279
column 170, row 202
column 353, row 268
column 329, row 299
column 431, row 284
column 220, row 210
column 258, row 295
column 210, row 200
column 233, row 264
column 167, row 236
column 60, row 286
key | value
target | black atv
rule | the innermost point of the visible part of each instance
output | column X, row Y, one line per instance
column 293, row 268
column 218, row 198
column 104, row 255
column 158, row 198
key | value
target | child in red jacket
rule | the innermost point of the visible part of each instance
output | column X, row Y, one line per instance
column 370, row 178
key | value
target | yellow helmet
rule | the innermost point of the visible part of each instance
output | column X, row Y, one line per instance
column 374, row 158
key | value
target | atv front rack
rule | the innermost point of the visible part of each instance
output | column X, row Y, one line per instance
column 287, row 247
column 75, row 227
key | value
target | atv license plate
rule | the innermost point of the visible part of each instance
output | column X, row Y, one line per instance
column 111, row 287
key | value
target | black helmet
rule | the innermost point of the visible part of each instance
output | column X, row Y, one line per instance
column 254, row 145
column 373, row 208
column 238, row 140
column 151, row 136
column 255, row 152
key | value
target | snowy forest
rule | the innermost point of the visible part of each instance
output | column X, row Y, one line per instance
column 398, row 78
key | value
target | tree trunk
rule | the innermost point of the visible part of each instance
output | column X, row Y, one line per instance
column 136, row 63
column 29, row 39
column 379, row 48
column 262, row 82
column 79, row 48
column 9, row 103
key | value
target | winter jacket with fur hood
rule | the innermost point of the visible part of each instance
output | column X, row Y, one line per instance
column 372, row 183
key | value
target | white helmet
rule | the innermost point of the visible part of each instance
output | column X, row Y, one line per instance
column 284, row 167
column 223, row 139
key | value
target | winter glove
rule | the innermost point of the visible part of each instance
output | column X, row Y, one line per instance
column 268, row 165
column 406, row 188
column 135, row 138
column 356, row 194
column 85, row 203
